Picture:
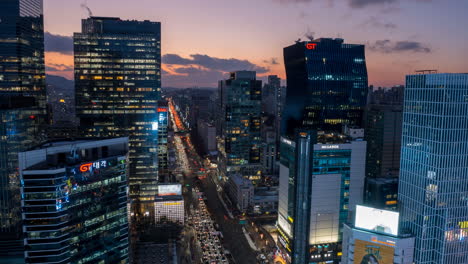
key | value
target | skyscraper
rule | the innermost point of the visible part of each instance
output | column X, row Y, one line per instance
column 326, row 85
column 433, row 185
column 321, row 170
column 74, row 202
column 321, row 182
column 22, row 107
column 240, row 98
column 117, row 81
column 383, row 123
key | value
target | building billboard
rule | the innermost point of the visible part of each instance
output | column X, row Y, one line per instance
column 169, row 189
column 371, row 253
column 380, row 221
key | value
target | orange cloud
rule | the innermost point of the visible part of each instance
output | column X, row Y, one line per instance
column 59, row 64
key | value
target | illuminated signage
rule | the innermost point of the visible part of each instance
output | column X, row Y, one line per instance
column 330, row 147
column 175, row 203
column 169, row 189
column 289, row 142
column 388, row 243
column 154, row 126
column 367, row 252
column 380, row 221
column 311, row 46
column 160, row 109
column 85, row 167
column 93, row 165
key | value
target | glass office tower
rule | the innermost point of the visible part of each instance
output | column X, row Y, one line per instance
column 74, row 202
column 241, row 97
column 117, row 83
column 326, row 90
column 321, row 182
column 22, row 107
column 326, row 85
column 433, row 186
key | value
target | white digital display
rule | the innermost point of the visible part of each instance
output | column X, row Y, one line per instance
column 170, row 189
column 377, row 220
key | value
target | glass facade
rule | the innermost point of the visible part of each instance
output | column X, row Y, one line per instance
column 163, row 122
column 241, row 98
column 313, row 240
column 433, row 186
column 118, row 83
column 326, row 85
column 74, row 202
column 22, row 106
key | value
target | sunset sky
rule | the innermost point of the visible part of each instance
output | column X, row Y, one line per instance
column 204, row 39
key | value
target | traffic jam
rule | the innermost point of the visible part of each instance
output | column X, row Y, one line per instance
column 207, row 235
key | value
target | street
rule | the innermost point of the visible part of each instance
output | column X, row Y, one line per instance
column 233, row 236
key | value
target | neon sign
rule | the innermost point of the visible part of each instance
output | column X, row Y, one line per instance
column 96, row 165
column 160, row 109
column 311, row 46
column 85, row 167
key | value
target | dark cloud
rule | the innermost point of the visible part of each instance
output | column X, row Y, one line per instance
column 365, row 3
column 58, row 43
column 193, row 76
column 352, row 3
column 377, row 23
column 272, row 61
column 387, row 46
column 213, row 63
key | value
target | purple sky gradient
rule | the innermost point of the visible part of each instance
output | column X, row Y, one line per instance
column 401, row 35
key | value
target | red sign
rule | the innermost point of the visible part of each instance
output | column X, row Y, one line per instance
column 160, row 109
column 85, row 167
column 311, row 46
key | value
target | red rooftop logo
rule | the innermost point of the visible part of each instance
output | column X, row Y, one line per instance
column 311, row 46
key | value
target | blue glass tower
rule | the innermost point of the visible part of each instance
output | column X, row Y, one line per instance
column 118, row 83
column 321, row 170
column 22, row 108
column 326, row 85
column 74, row 202
column 433, row 184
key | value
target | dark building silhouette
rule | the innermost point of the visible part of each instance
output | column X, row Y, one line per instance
column 22, row 109
column 326, row 85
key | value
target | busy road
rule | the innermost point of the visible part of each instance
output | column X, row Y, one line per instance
column 234, row 240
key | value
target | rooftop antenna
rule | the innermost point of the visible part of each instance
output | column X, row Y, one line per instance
column 85, row 6
column 298, row 40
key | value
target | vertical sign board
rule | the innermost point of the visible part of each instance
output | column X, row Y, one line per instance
column 368, row 252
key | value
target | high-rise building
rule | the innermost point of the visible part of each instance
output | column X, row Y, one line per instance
column 433, row 184
column 74, row 202
column 22, row 109
column 321, row 171
column 326, row 85
column 163, row 123
column 321, row 182
column 22, row 70
column 383, row 123
column 240, row 98
column 117, row 83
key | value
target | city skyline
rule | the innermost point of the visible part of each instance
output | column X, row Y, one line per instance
column 202, row 47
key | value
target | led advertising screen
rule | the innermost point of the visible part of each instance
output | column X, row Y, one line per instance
column 380, row 221
column 371, row 253
column 169, row 189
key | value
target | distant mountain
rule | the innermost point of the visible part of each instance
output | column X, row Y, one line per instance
column 59, row 85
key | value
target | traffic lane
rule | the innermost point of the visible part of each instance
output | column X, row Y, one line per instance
column 234, row 238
